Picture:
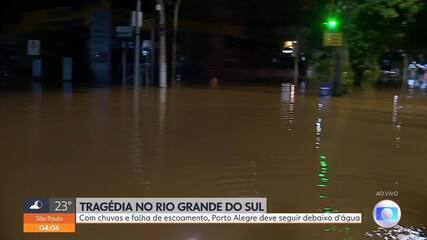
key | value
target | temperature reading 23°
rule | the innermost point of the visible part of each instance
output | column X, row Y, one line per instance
column 62, row 206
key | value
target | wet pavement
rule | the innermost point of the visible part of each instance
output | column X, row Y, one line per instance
column 302, row 152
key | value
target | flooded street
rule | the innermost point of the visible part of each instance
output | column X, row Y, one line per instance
column 302, row 152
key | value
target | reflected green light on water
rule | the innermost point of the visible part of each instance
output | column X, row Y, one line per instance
column 324, row 179
column 330, row 228
column 323, row 197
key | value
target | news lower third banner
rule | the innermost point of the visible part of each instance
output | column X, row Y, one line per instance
column 60, row 215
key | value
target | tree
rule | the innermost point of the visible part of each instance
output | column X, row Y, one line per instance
column 373, row 26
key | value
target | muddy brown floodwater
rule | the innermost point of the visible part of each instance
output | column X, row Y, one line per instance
column 223, row 142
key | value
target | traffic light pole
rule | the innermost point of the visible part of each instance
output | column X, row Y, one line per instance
column 333, row 37
column 337, row 70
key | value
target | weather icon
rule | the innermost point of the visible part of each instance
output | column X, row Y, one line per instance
column 37, row 205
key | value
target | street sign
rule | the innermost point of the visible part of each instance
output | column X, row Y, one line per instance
column 33, row 47
column 134, row 20
column 124, row 31
column 333, row 39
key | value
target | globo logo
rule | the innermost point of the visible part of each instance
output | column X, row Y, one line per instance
column 387, row 214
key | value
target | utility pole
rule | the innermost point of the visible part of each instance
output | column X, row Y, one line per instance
column 162, row 57
column 337, row 71
column 137, row 44
column 404, row 68
column 153, row 52
column 124, row 63
column 174, row 44
column 296, row 62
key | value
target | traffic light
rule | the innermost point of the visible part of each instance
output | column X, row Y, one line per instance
column 332, row 24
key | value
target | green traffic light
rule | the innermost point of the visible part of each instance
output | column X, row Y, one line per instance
column 332, row 23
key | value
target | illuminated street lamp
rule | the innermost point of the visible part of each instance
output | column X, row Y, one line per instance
column 289, row 47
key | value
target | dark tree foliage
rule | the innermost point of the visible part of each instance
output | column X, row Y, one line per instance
column 374, row 26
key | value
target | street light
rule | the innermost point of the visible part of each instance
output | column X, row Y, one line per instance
column 291, row 47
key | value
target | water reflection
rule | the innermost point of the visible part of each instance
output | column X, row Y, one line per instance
column 162, row 124
column 37, row 88
column 324, row 177
column 214, row 82
column 139, row 168
column 302, row 88
column 240, row 180
column 321, row 107
column 35, row 112
column 398, row 233
column 324, row 172
column 163, row 98
column 287, row 107
column 67, row 89
column 411, row 90
column 396, row 120
column 318, row 132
